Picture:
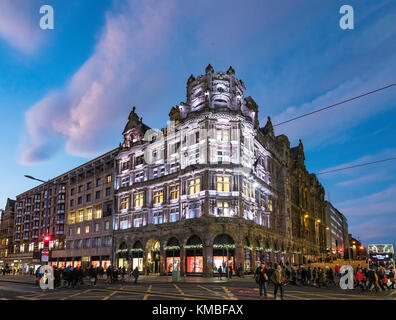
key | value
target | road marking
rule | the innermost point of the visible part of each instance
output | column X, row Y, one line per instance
column 110, row 295
column 35, row 297
column 76, row 294
column 148, row 290
column 229, row 294
column 180, row 290
column 161, row 294
column 296, row 297
column 209, row 290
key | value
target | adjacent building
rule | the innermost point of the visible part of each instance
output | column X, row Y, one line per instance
column 6, row 233
column 337, row 240
column 89, row 207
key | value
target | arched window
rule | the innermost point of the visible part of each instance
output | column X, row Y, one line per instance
column 194, row 240
column 173, row 242
column 223, row 239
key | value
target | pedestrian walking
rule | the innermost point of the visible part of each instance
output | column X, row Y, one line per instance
column 278, row 278
column 392, row 278
column 373, row 280
column 360, row 279
column 219, row 270
column 109, row 275
column 262, row 278
column 135, row 274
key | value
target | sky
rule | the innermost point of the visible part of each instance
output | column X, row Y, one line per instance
column 65, row 94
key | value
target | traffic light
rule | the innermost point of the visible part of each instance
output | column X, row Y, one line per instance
column 46, row 240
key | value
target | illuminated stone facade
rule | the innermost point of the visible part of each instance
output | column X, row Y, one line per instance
column 213, row 187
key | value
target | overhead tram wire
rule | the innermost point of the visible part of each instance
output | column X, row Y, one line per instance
column 335, row 104
column 356, row 166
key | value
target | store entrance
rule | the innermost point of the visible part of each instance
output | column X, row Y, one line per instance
column 153, row 256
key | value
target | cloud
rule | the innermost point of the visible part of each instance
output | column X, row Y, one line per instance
column 385, row 154
column 96, row 99
column 19, row 25
column 348, row 65
column 359, row 180
column 375, row 204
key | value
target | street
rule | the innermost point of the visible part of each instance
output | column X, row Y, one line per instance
column 161, row 288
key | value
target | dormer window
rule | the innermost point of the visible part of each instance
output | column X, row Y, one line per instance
column 220, row 89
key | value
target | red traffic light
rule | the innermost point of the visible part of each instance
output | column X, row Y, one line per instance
column 47, row 238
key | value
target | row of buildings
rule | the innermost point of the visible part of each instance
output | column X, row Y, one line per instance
column 211, row 188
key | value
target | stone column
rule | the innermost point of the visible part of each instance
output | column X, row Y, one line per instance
column 253, row 266
column 207, row 264
column 182, row 261
column 162, row 262
column 239, row 258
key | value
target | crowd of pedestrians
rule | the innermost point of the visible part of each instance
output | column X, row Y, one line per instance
column 279, row 275
column 70, row 277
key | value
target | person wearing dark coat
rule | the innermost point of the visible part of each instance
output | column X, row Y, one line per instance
column 74, row 276
column 309, row 275
column 135, row 274
column 262, row 278
column 109, row 275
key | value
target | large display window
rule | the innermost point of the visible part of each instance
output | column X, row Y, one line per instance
column 223, row 262
column 194, row 255
column 172, row 264
column 172, row 252
column 223, row 253
column 137, row 256
column 77, row 264
column 137, row 262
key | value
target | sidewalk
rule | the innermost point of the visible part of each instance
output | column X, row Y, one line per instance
column 27, row 279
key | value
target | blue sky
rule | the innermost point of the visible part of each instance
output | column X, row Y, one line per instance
column 65, row 94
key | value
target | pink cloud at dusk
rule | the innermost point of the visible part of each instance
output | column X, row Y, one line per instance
column 99, row 94
column 19, row 24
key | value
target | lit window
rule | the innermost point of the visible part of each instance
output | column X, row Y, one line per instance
column 86, row 229
column 270, row 208
column 108, row 178
column 88, row 214
column 175, row 192
column 71, row 218
column 194, row 186
column 139, row 199
column 223, row 209
column 222, row 135
column 246, row 189
column 78, row 230
column 124, row 205
column 223, row 184
column 80, row 216
column 262, row 201
column 158, row 196
column 98, row 212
